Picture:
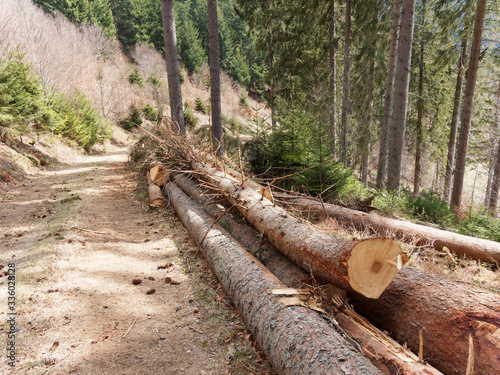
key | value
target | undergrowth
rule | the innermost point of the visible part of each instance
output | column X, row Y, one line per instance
column 27, row 105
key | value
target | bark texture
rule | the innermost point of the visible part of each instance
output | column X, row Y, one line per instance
column 334, row 260
column 213, row 48
column 174, row 80
column 376, row 345
column 446, row 313
column 465, row 121
column 452, row 142
column 495, row 183
column 391, row 68
column 252, row 241
column 401, row 85
column 296, row 339
column 345, row 84
column 476, row 248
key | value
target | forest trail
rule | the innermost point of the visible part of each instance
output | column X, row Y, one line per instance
column 78, row 235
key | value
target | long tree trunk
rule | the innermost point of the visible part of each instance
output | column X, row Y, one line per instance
column 452, row 142
column 296, row 339
column 420, row 110
column 446, row 313
column 495, row 184
column 465, row 121
column 174, row 80
column 345, row 85
column 213, row 49
column 391, row 68
column 475, row 248
column 366, row 141
column 366, row 267
column 402, row 81
column 376, row 345
column 333, row 79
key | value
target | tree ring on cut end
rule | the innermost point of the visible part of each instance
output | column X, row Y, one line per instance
column 373, row 264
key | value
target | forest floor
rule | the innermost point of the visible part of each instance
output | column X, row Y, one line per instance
column 78, row 234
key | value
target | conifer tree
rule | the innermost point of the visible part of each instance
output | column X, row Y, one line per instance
column 174, row 83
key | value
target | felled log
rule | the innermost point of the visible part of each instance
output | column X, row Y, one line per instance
column 245, row 234
column 156, row 198
column 296, row 339
column 378, row 346
column 475, row 248
column 365, row 266
column 159, row 175
column 447, row 313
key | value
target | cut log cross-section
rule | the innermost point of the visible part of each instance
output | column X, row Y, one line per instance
column 156, row 198
column 159, row 175
column 365, row 266
column 296, row 339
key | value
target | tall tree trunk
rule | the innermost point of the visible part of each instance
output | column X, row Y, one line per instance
column 365, row 151
column 345, row 85
column 174, row 80
column 213, row 48
column 452, row 142
column 420, row 109
column 402, row 81
column 493, row 150
column 495, row 185
column 465, row 121
column 333, row 79
column 391, row 68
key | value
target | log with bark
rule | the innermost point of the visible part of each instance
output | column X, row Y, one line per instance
column 389, row 356
column 365, row 266
column 475, row 248
column 297, row 340
column 445, row 312
column 156, row 198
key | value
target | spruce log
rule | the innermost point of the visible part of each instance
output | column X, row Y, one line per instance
column 159, row 175
column 296, row 339
column 377, row 345
column 246, row 235
column 156, row 198
column 365, row 266
column 447, row 313
column 475, row 248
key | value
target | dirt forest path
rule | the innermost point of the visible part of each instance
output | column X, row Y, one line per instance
column 78, row 235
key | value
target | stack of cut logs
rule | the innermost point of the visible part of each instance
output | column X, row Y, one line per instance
column 455, row 328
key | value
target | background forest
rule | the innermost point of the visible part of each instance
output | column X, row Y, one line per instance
column 321, row 66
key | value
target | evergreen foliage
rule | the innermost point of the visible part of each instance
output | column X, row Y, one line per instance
column 25, row 106
column 95, row 12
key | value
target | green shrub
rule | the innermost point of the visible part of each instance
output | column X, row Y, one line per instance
column 25, row 105
column 390, row 202
column 190, row 120
column 200, row 106
column 134, row 119
column 150, row 113
column 243, row 101
column 480, row 224
column 135, row 78
column 430, row 206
